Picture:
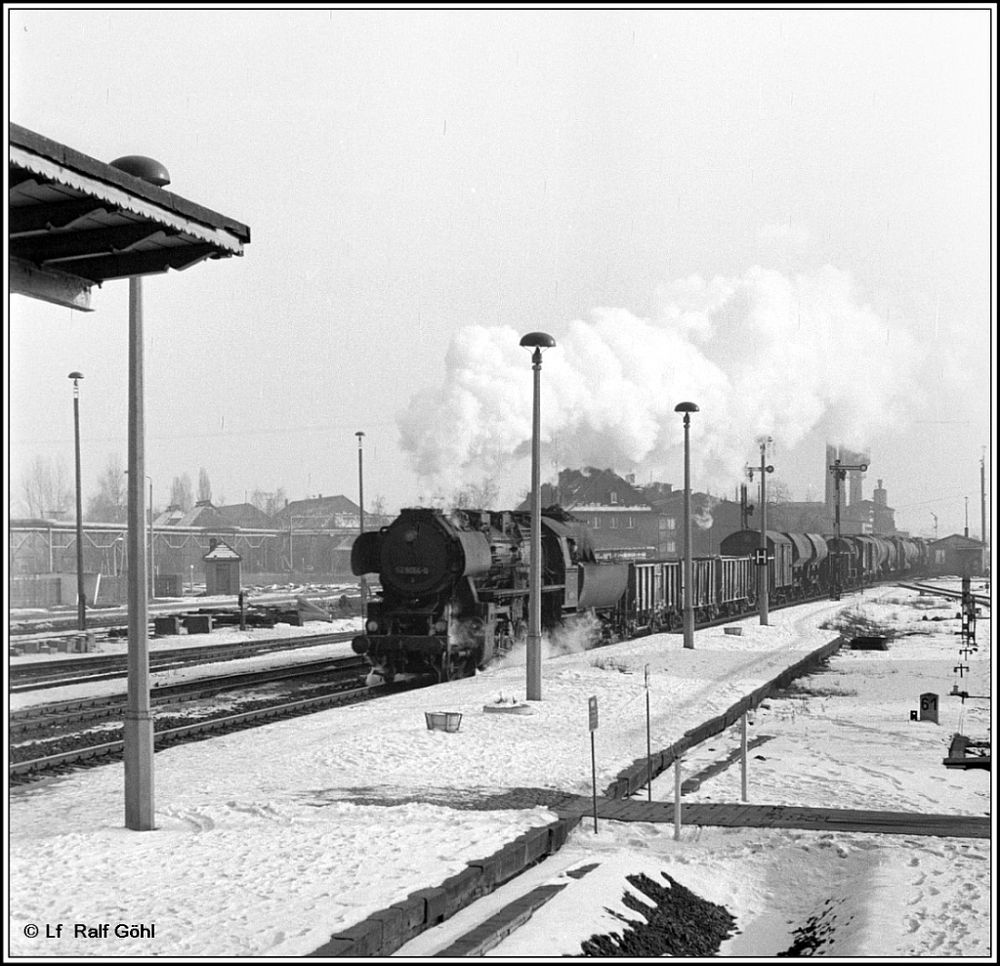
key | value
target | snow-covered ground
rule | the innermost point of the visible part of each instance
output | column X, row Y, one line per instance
column 270, row 840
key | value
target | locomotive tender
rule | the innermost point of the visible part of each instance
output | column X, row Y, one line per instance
column 455, row 584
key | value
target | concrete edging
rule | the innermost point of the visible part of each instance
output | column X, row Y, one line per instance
column 382, row 933
column 636, row 775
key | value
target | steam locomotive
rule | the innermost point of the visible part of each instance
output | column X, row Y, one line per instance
column 455, row 587
column 455, row 584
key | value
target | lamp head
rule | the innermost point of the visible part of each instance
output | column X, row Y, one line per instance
column 359, row 434
column 146, row 169
column 537, row 340
column 686, row 407
column 75, row 375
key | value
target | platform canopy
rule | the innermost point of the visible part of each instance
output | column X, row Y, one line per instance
column 75, row 222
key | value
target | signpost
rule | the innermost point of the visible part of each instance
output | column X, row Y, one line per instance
column 743, row 756
column 677, row 798
column 649, row 747
column 593, row 755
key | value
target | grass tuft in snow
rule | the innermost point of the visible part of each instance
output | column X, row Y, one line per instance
column 857, row 622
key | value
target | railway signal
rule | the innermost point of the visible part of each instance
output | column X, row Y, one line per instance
column 760, row 556
column 840, row 471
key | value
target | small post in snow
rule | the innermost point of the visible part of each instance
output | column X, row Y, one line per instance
column 743, row 755
column 649, row 749
column 593, row 754
column 677, row 798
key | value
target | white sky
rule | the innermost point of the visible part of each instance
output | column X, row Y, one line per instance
column 782, row 215
column 267, row 840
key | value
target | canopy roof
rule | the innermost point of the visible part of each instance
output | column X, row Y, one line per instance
column 75, row 221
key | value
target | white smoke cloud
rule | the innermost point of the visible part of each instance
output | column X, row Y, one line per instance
column 574, row 637
column 761, row 354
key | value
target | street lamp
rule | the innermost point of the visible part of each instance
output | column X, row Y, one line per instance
column 361, row 517
column 138, row 722
column 152, row 567
column 149, row 542
column 536, row 341
column 81, row 593
column 687, row 408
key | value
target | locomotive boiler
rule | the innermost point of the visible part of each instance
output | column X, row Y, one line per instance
column 455, row 587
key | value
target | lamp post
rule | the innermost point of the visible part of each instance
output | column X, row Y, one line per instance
column 149, row 542
column 536, row 341
column 138, row 724
column 81, row 593
column 687, row 408
column 152, row 568
column 361, row 518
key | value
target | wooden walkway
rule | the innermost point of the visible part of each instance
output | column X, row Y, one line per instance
column 785, row 816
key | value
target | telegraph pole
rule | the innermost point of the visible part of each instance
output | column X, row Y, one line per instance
column 982, row 497
column 361, row 515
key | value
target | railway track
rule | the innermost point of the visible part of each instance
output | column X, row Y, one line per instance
column 28, row 721
column 88, row 748
column 113, row 617
column 50, row 674
column 981, row 600
column 23, row 724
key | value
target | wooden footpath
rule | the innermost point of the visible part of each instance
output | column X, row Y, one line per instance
column 742, row 815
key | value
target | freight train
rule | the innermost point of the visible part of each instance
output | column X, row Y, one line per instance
column 455, row 584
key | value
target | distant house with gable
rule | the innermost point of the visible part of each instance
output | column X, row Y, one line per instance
column 247, row 516
column 320, row 513
column 203, row 514
column 622, row 523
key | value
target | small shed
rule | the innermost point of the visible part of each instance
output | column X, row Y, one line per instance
column 222, row 568
column 956, row 554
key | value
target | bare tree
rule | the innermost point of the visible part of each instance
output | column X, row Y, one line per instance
column 478, row 496
column 269, row 503
column 110, row 503
column 204, row 486
column 778, row 491
column 377, row 510
column 45, row 488
column 180, row 492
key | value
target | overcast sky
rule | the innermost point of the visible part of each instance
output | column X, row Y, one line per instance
column 782, row 215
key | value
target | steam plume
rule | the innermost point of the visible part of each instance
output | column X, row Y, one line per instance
column 763, row 353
